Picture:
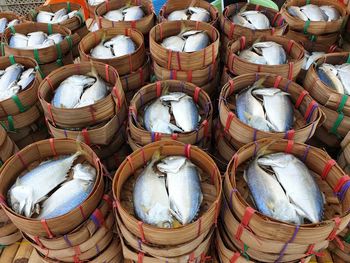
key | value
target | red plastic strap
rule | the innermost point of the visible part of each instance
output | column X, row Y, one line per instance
column 92, row 112
column 310, row 250
column 170, row 54
column 107, row 72
column 77, row 251
column 117, row 95
column 244, row 222
column 228, row 121
column 107, row 5
column 188, row 151
column 257, row 7
column 191, row 257
column 173, row 74
column 2, row 199
column 232, row 29
column 340, row 243
column 273, row 31
column 197, row 90
column 142, row 80
column 50, row 113
column 140, row 225
column 333, row 234
column 38, row 242
column 50, row 83
column 277, row 81
column 52, row 146
column 197, row 25
column 340, row 183
column 99, row 216
column 275, row 18
column 232, row 86
column 235, row 257
column 189, row 76
column 242, row 42
column 178, row 60
column 259, row 68
column 174, row 136
column 199, row 227
column 289, row 147
column 300, row 98
column 131, row 164
column 46, row 227
column 133, row 24
column 205, row 124
column 85, row 134
column 108, row 200
column 24, row 164
column 140, row 256
column 309, row 109
column 158, row 88
column 327, row 168
column 290, row 71
column 290, row 45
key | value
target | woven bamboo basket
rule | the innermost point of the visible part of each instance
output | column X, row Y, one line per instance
column 113, row 161
column 320, row 91
column 27, row 159
column 307, row 113
column 43, row 55
column 124, row 64
column 344, row 156
column 327, row 139
column 336, row 122
column 101, row 111
column 211, row 187
column 182, row 60
column 9, row 232
column 290, row 70
column 268, row 237
column 226, row 76
column 92, row 9
column 151, row 92
column 144, row 25
column 9, row 15
column 50, row 67
column 173, row 5
column 72, row 24
column 231, row 30
column 223, row 143
column 325, row 39
column 212, row 86
column 198, row 77
column 314, row 27
column 19, row 251
column 342, row 252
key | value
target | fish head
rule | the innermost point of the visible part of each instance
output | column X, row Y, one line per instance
column 178, row 15
column 21, row 199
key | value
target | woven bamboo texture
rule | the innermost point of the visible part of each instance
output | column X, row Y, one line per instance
column 124, row 64
column 50, row 67
column 290, row 70
column 123, row 187
column 308, row 114
column 26, row 160
column 182, row 60
column 326, row 39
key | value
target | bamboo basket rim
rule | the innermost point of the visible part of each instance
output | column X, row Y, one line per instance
column 329, row 38
column 259, row 220
column 149, row 229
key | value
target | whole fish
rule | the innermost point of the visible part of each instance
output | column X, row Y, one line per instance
column 114, row 15
column 331, row 12
column 174, row 43
column 184, row 110
column 309, row 59
column 95, row 2
column 9, row 92
column 296, row 11
column 11, row 76
column 44, row 17
column 299, row 185
column 178, row 15
column 59, row 15
column 257, row 19
column 101, row 52
column 328, row 74
column 133, row 13
column 252, row 57
column 27, row 78
column 199, row 14
column 71, row 194
column 240, row 20
column 36, row 38
column 258, row 122
column 278, row 108
column 122, row 45
column 18, row 40
column 273, row 52
column 3, row 24
column 150, row 197
column 268, row 195
column 47, row 43
column 68, row 93
column 32, row 187
column 56, row 37
column 184, row 187
column 344, row 76
column 195, row 40
column 313, row 13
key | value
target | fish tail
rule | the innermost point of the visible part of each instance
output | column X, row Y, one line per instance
column 259, row 82
column 93, row 70
column 265, row 149
column 157, row 154
column 80, row 151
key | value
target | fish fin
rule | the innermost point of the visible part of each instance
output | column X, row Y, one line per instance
column 265, row 149
column 244, row 8
column 259, row 83
column 175, row 214
column 157, row 154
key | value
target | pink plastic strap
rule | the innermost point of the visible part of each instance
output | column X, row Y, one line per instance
column 327, row 168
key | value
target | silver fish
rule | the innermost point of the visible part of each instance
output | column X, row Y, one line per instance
column 150, row 197
column 252, row 57
column 240, row 20
column 257, row 19
column 32, row 187
column 258, row 122
column 195, row 40
column 184, row 187
column 268, row 195
column 73, row 13
column 3, row 24
column 178, row 15
column 311, row 58
column 331, row 12
column 278, row 108
column 9, row 92
column 44, row 17
column 57, row 18
column 174, row 43
column 71, row 194
column 199, row 14
column 36, row 38
column 101, row 52
column 27, row 78
column 68, row 93
column 296, row 12
column 328, row 74
column 299, row 185
column 313, row 13
column 18, row 40
column 56, row 37
column 114, row 15
column 13, row 22
column 11, row 76
column 122, row 45
column 95, row 2
column 47, row 43
column 60, row 19
column 344, row 76
column 273, row 52
column 133, row 13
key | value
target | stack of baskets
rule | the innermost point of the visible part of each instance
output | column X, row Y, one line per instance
column 232, row 31
column 336, row 106
column 239, row 66
column 84, row 233
column 245, row 232
column 48, row 58
column 325, row 33
column 133, row 69
column 138, row 136
column 21, row 115
column 99, row 125
column 146, row 243
column 76, row 24
column 200, row 67
column 236, row 134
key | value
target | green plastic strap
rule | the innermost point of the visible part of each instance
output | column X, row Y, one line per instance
column 36, row 56
column 11, row 125
column 308, row 2
column 313, row 38
column 70, row 42
column 153, row 78
column 13, row 30
column 12, row 59
column 59, row 51
column 33, row 13
column 49, row 28
column 81, row 17
column 306, row 26
column 1, row 163
column 37, row 68
column 18, row 103
column 348, row 60
column 2, row 48
column 347, row 238
column 59, row 62
column 245, row 254
column 342, row 103
column 68, row 7
column 337, row 123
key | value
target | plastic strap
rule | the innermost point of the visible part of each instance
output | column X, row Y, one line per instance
column 289, row 146
column 158, row 88
column 128, row 158
column 52, row 146
column 277, row 81
column 333, row 234
column 117, row 95
column 37, row 68
column 49, row 29
column 174, row 136
column 348, row 60
column 342, row 103
column 188, row 151
column 12, row 29
column 235, row 257
column 12, row 59
column 97, row 218
column 232, row 86
column 36, row 55
column 308, row 2
column 196, row 94
column 46, row 228
column 59, row 51
column 310, row 109
column 291, row 70
column 205, row 124
column 337, row 123
column 306, row 153
column 2, row 44
column 108, row 200
column 274, row 20
column 38, row 242
column 300, row 98
column 290, row 45
column 281, row 254
column 24, row 164
column 140, row 226
column 173, row 74
column 18, row 103
column 289, row 134
column 306, row 26
column 156, row 136
column 11, row 125
column 327, row 168
column 107, row 72
column 340, row 183
column 86, row 137
column 170, row 53
column 92, row 112
column 249, row 212
column 70, row 42
column 68, row 242
column 228, row 121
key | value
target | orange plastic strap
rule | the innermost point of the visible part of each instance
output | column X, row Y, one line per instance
column 229, row 120
column 242, row 42
column 277, row 81
column 50, row 83
column 188, row 151
column 107, row 72
column 300, row 98
column 189, row 76
column 333, row 234
column 249, row 212
column 85, row 134
column 158, row 88
column 199, row 227
column 130, row 163
column 117, row 95
column 52, row 146
column 289, row 146
column 140, row 225
column 290, row 45
column 46, row 228
column 24, row 164
column 290, row 71
column 92, row 112
column 197, row 90
column 327, row 168
column 340, row 183
column 235, row 257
